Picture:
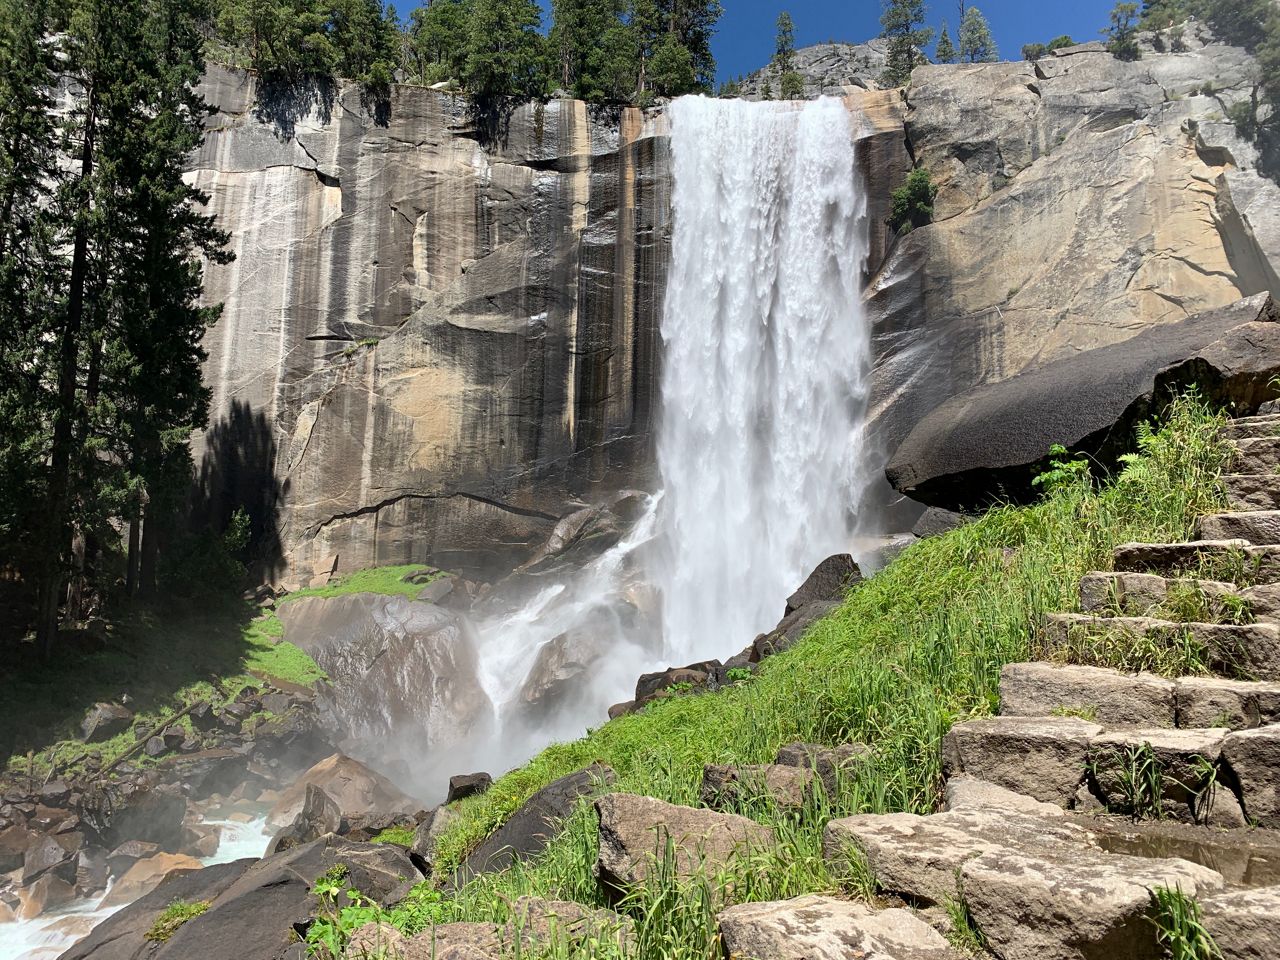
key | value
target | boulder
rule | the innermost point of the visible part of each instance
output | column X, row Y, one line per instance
column 319, row 815
column 1256, row 526
column 104, row 721
column 829, row 581
column 824, row 928
column 993, row 440
column 920, row 857
column 143, row 876
column 45, row 855
column 47, row 893
column 145, row 810
column 935, row 521
column 832, row 764
column 380, row 654
column 1106, row 696
column 1091, row 906
column 538, row 923
column 455, row 941
column 468, row 785
column 695, row 675
column 123, row 856
column 728, row 786
column 351, row 785
column 635, row 830
column 1041, row 757
column 14, row 841
column 1253, row 757
column 536, row 823
column 376, row 940
column 55, row 793
column 792, row 628
column 123, row 935
column 1245, row 924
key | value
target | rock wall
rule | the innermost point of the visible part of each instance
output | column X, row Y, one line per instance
column 438, row 330
column 1083, row 200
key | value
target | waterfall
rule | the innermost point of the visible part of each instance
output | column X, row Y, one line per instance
column 763, row 393
column 766, row 364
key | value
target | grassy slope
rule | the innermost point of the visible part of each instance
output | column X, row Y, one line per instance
column 910, row 652
column 163, row 661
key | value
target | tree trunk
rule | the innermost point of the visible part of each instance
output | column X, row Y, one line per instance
column 150, row 550
column 50, row 590
column 132, row 564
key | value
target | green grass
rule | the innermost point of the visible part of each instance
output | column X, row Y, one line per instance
column 1179, row 926
column 163, row 659
column 913, row 650
column 175, row 915
column 400, row 836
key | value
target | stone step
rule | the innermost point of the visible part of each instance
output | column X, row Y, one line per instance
column 1258, row 527
column 1256, row 455
column 1119, row 699
column 1252, row 491
column 1169, row 598
column 1163, row 774
column 1249, row 428
column 1092, row 693
column 1037, row 887
column 1235, row 560
column 1240, row 651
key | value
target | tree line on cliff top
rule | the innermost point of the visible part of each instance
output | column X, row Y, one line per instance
column 619, row 51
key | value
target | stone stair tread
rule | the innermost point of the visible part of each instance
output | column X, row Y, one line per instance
column 1101, row 694
column 1252, row 491
column 1137, row 594
column 1244, row 651
column 1255, row 454
column 1245, row 428
column 1257, row 527
column 1167, row 559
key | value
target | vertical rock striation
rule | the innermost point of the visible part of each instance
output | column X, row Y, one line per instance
column 438, row 330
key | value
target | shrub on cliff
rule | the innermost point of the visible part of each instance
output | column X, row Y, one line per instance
column 912, row 204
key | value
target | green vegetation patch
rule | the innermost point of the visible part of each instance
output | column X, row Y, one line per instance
column 175, row 915
column 400, row 836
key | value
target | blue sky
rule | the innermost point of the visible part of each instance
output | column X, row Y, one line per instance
column 744, row 41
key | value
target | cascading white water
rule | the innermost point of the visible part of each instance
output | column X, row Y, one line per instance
column 764, row 390
column 765, row 367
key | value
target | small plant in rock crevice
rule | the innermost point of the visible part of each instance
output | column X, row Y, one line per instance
column 1136, row 781
column 964, row 934
column 174, row 916
column 1180, row 927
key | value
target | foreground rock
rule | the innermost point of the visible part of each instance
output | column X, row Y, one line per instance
column 725, row 787
column 1245, row 924
column 539, row 820
column 994, row 439
column 823, row 928
column 319, row 815
column 635, row 833
column 255, row 907
column 1042, row 757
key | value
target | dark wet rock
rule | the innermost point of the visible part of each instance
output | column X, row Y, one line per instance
column 143, row 876
column 527, row 832
column 47, row 893
column 936, row 521
column 104, row 721
column 829, row 581
column 993, row 441
column 319, row 815
column 696, row 675
column 144, row 811
column 792, row 628
column 429, row 830
column 122, row 857
column 468, row 785
column 14, row 841
column 55, row 793
column 46, row 855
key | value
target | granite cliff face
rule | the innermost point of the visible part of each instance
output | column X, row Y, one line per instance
column 440, row 332
column 1083, row 200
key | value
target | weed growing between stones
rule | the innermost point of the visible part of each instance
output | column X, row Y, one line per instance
column 1179, row 928
column 964, row 934
column 1135, row 777
column 175, row 915
column 1170, row 652
column 913, row 649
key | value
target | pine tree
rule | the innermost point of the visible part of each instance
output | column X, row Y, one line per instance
column 790, row 82
column 1122, row 34
column 504, row 50
column 902, row 25
column 976, row 43
column 437, row 42
column 30, row 271
column 574, row 44
column 946, row 52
